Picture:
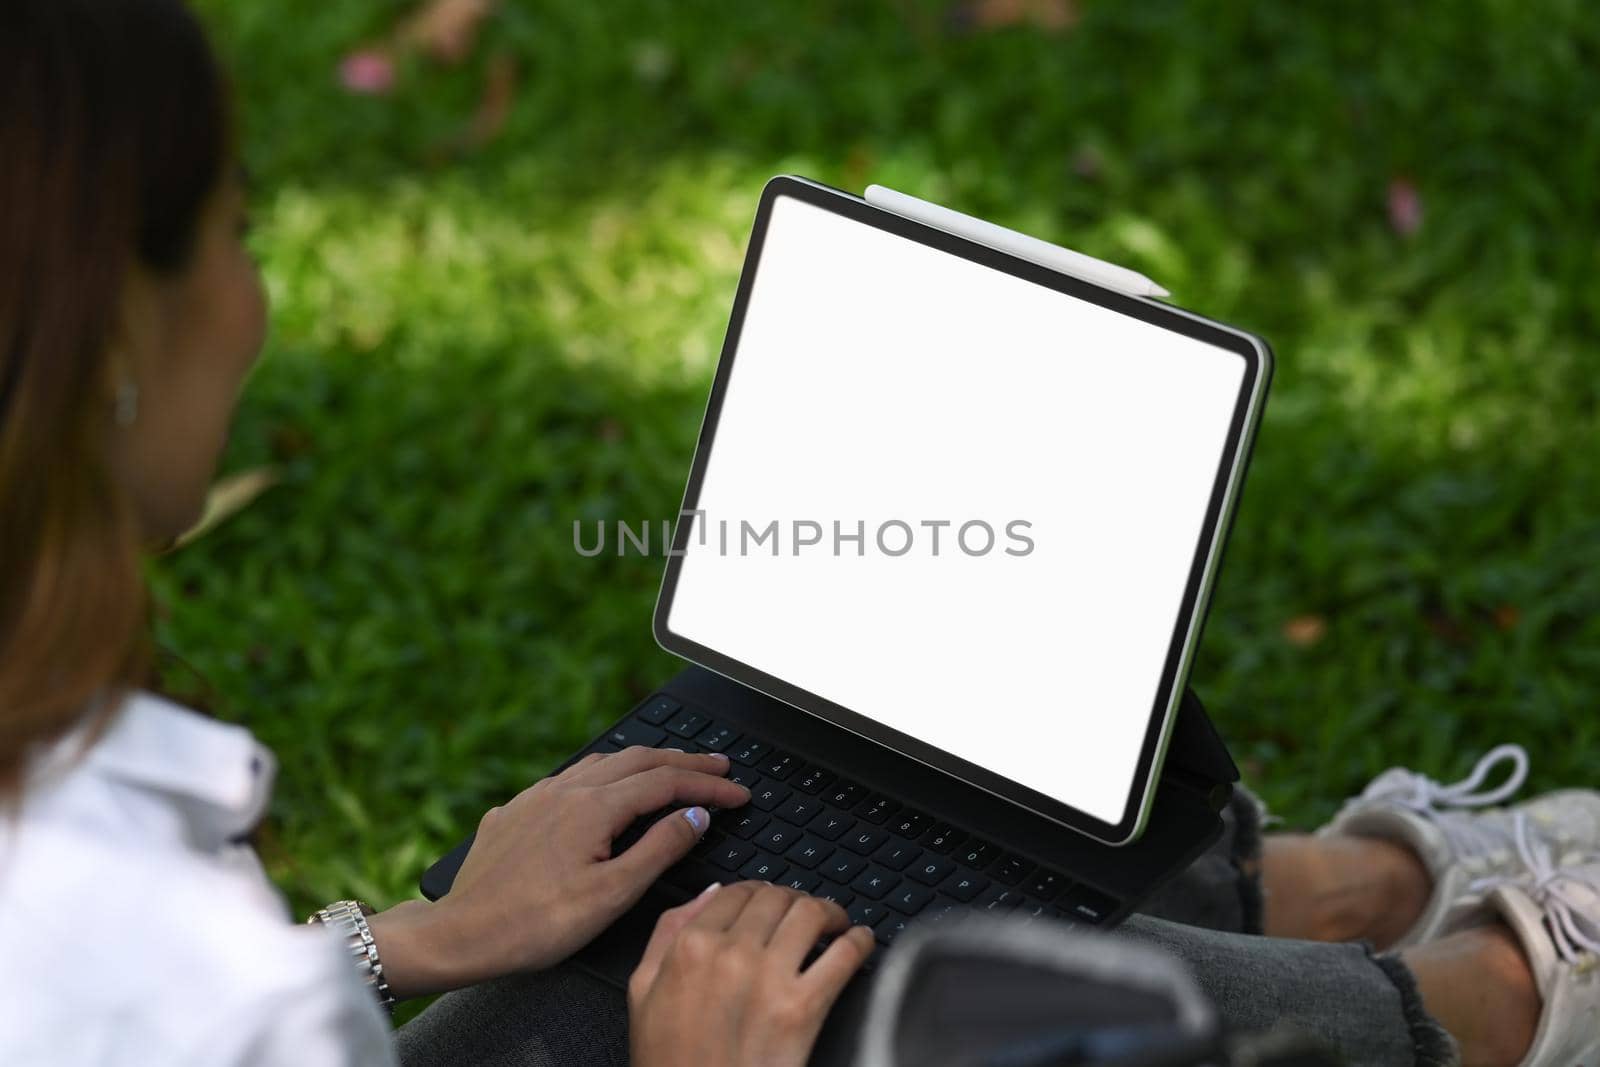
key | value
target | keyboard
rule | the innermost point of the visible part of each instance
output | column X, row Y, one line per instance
column 816, row 831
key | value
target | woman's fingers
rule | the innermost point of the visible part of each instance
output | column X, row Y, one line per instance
column 582, row 765
column 714, row 910
column 808, row 922
column 661, row 786
column 664, row 844
column 767, row 909
column 723, row 909
column 631, row 761
column 671, row 922
column 827, row 975
column 738, row 956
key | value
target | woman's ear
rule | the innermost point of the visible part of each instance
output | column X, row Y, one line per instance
column 128, row 379
column 135, row 345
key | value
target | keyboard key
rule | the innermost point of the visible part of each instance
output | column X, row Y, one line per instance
column 998, row 900
column 809, row 851
column 732, row 854
column 659, row 710
column 710, row 841
column 931, row 870
column 804, row 881
column 889, row 929
column 942, row 838
column 843, row 794
column 634, row 732
column 877, row 808
column 964, row 885
column 940, row 908
column 811, row 780
column 874, row 882
column 764, row 868
column 744, row 776
column 843, row 866
column 768, row 796
column 836, row 893
column 688, row 723
column 1087, row 904
column 864, row 839
column 910, row 898
column 800, row 809
column 778, row 836
column 831, row 824
column 749, row 751
column 867, row 913
column 976, row 854
column 909, row 824
column 717, row 738
column 896, row 854
column 1010, row 869
column 779, row 765
column 745, row 822
column 605, row 744
column 1032, row 909
column 1045, row 885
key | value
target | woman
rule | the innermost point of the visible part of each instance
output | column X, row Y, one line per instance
column 135, row 927
column 130, row 313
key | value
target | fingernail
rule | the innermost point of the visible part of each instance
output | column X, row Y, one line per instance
column 679, row 750
column 721, row 756
column 712, row 888
column 697, row 818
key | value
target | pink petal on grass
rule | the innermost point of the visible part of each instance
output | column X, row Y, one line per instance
column 1405, row 207
column 367, row 72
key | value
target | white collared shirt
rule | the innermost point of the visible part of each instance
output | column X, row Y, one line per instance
column 133, row 930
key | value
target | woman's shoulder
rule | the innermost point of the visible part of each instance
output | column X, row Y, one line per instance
column 127, row 914
column 154, row 776
column 94, row 917
column 156, row 963
column 129, row 845
column 179, row 955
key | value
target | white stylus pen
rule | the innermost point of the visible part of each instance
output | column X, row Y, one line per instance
column 1043, row 253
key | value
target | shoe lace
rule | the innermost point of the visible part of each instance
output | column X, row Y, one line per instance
column 1554, row 888
column 1448, row 806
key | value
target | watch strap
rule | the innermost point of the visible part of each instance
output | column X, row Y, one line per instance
column 348, row 918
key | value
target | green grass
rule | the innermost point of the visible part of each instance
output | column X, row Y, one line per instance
column 472, row 351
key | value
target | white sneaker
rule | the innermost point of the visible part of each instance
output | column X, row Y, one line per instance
column 1461, row 838
column 1554, row 910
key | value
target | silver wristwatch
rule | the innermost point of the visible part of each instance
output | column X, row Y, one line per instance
column 349, row 918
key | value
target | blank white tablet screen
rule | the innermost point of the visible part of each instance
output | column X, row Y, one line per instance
column 888, row 387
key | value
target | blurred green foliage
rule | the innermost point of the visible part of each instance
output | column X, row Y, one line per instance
column 474, row 348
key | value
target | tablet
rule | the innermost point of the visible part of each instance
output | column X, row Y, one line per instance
column 961, row 504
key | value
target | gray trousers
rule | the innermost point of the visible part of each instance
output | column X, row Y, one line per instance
column 1364, row 1004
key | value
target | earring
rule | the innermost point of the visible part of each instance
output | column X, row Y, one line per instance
column 127, row 407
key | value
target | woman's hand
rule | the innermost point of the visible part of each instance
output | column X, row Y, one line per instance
column 720, row 984
column 540, row 881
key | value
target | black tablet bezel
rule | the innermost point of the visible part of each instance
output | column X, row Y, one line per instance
column 1219, row 511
